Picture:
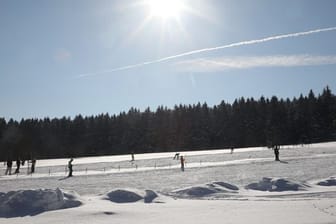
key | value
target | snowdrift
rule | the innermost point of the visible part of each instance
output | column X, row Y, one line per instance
column 33, row 202
column 129, row 196
column 331, row 181
column 276, row 184
column 205, row 190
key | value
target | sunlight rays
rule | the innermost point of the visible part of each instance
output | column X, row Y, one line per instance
column 165, row 9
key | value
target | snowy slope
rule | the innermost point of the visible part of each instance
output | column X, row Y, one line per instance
column 247, row 186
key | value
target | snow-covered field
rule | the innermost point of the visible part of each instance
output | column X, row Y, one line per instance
column 247, row 186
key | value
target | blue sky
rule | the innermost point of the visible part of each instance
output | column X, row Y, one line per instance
column 55, row 56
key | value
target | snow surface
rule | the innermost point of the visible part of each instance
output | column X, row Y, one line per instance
column 247, row 186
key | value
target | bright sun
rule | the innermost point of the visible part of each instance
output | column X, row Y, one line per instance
column 165, row 9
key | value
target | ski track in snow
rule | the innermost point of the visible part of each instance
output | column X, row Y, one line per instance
column 135, row 168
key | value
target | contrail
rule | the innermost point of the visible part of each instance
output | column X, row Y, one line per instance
column 249, row 42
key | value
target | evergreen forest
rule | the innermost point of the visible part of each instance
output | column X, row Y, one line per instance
column 243, row 123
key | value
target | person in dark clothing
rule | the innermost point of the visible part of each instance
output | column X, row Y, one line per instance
column 70, row 167
column 18, row 163
column 276, row 152
column 182, row 163
column 9, row 167
column 33, row 163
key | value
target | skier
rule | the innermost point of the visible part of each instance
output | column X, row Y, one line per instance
column 18, row 163
column 182, row 163
column 132, row 156
column 70, row 167
column 177, row 155
column 276, row 152
column 9, row 167
column 232, row 150
column 33, row 163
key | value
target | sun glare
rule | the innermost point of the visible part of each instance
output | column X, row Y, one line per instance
column 165, row 9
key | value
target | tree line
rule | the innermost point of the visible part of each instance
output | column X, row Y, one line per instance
column 243, row 123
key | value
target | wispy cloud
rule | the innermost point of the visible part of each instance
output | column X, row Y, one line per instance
column 242, row 43
column 225, row 63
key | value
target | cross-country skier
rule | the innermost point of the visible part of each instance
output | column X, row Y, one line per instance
column 182, row 163
column 276, row 152
column 70, row 167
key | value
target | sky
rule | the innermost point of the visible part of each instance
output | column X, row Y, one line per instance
column 69, row 57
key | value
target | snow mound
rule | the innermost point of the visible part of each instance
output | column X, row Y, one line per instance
column 227, row 185
column 206, row 190
column 149, row 196
column 33, row 202
column 129, row 196
column 276, row 184
column 331, row 181
column 197, row 191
